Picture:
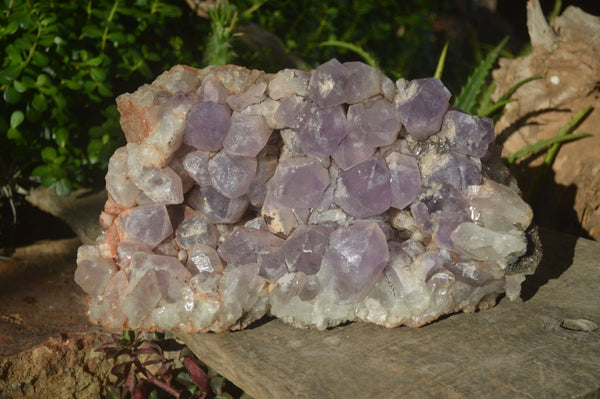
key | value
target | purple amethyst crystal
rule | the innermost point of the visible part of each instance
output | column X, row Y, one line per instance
column 196, row 165
column 375, row 125
column 146, row 224
column 405, row 179
column 232, row 175
column 319, row 197
column 328, row 84
column 321, row 130
column 243, row 245
column 247, row 135
column 300, row 182
column 467, row 134
column 364, row 190
column 421, row 105
column 206, row 126
column 354, row 259
column 217, row 207
column 305, row 247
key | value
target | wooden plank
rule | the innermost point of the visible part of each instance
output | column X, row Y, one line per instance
column 517, row 349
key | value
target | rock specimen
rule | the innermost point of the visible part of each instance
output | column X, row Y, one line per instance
column 318, row 197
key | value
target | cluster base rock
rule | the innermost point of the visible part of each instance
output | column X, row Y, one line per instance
column 317, row 197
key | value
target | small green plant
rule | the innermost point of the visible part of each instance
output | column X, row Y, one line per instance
column 143, row 371
column 475, row 96
column 553, row 145
column 63, row 63
column 223, row 19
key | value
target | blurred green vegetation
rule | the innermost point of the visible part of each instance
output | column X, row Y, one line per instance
column 64, row 62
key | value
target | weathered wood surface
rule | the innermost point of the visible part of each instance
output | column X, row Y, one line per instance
column 517, row 349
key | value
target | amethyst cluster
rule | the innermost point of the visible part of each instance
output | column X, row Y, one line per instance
column 318, row 197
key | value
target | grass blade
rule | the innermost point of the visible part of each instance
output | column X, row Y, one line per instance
column 509, row 93
column 441, row 62
column 486, row 99
column 540, row 145
column 467, row 98
column 573, row 123
column 352, row 47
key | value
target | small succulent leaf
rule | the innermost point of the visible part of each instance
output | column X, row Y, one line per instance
column 196, row 373
column 16, row 118
column 112, row 393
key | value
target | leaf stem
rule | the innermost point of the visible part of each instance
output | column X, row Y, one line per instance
column 111, row 15
column 33, row 47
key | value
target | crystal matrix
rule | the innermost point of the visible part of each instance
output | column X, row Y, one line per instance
column 318, row 197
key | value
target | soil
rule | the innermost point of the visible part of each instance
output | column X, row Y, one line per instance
column 47, row 345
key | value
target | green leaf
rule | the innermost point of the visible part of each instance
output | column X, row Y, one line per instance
column 16, row 118
column 39, row 103
column 44, row 172
column 112, row 393
column 92, row 31
column 575, row 121
column 15, row 135
column 467, row 98
column 29, row 82
column 103, row 90
column 10, row 73
column 32, row 114
column 42, row 80
column 441, row 62
column 153, row 395
column 117, row 38
column 39, row 59
column 14, row 55
column 509, row 93
column 20, row 86
column 98, row 74
column 96, row 61
column 63, row 186
column 217, row 384
column 49, row 90
column 485, row 99
column 11, row 96
column 11, row 28
column 61, row 136
column 540, row 145
column 494, row 107
column 48, row 154
column 72, row 84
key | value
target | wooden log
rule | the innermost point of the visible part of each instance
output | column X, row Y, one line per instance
column 517, row 349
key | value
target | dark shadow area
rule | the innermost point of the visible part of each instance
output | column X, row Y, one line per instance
column 259, row 323
column 559, row 250
column 554, row 212
column 32, row 225
column 525, row 120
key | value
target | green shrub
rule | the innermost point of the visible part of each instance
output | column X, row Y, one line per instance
column 63, row 64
